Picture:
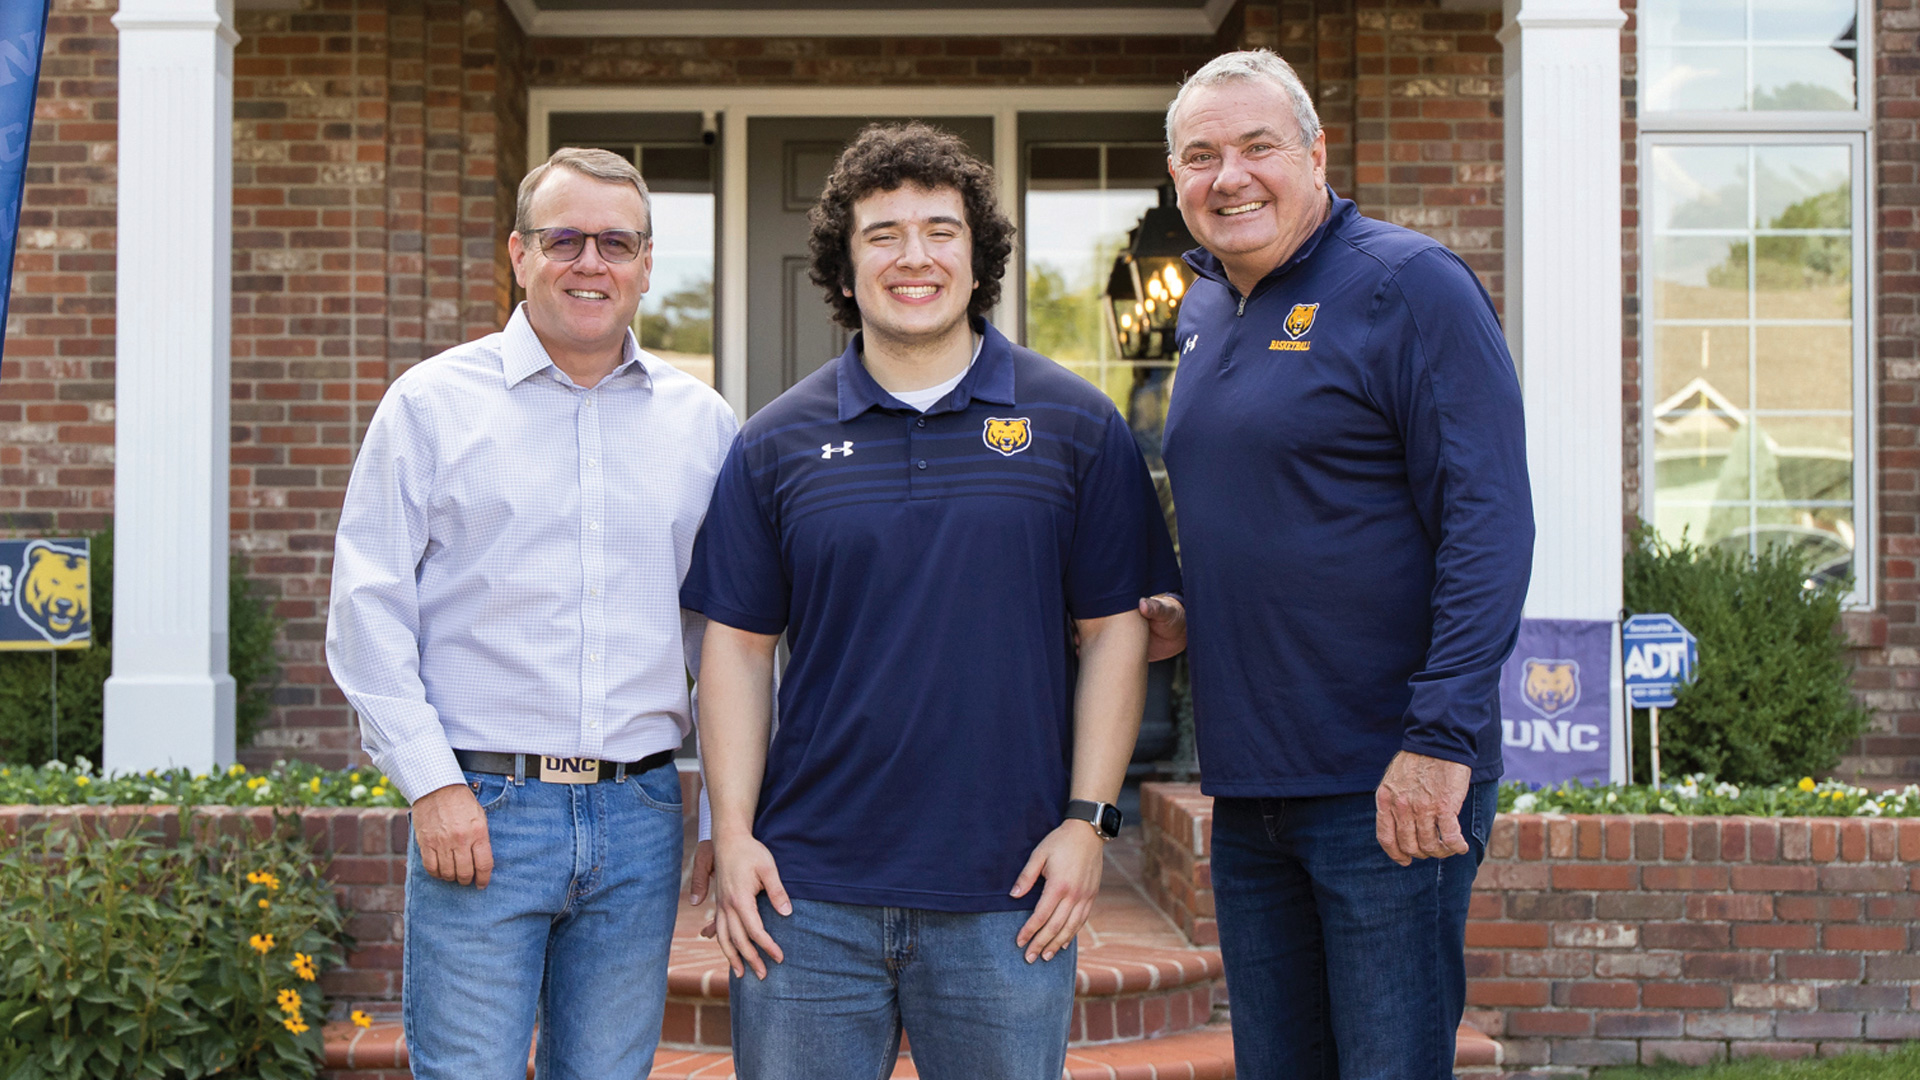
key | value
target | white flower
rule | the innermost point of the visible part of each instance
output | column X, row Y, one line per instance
column 1613, row 796
column 1726, row 790
column 158, row 796
column 81, row 764
column 1870, row 808
column 1668, row 806
column 1525, row 803
column 55, row 766
column 358, row 791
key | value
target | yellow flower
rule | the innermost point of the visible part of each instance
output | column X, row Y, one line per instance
column 295, row 1025
column 264, row 904
column 6, row 772
column 360, row 1019
column 237, row 770
column 199, row 776
column 353, row 778
column 262, row 943
column 313, row 785
column 377, row 792
column 81, row 781
column 1806, row 783
column 302, row 965
column 254, row 783
column 289, row 1002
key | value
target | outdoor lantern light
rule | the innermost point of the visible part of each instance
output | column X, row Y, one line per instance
column 1147, row 283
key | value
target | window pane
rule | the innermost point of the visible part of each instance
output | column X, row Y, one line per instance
column 1700, row 277
column 1804, row 367
column 1705, row 364
column 1823, row 21
column 1700, row 187
column 1811, row 457
column 1696, row 20
column 1697, row 79
column 1803, row 277
column 675, row 321
column 1802, row 77
column 1803, row 187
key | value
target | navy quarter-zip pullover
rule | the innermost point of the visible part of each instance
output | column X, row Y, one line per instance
column 1348, row 464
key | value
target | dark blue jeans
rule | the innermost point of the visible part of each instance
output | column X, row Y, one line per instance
column 1341, row 965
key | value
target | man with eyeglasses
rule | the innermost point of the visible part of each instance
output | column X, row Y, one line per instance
column 505, row 620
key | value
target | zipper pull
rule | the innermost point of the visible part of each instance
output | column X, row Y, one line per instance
column 1243, row 308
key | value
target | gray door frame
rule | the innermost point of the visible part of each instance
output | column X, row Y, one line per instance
column 730, row 106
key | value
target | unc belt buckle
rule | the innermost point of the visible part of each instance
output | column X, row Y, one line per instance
column 569, row 770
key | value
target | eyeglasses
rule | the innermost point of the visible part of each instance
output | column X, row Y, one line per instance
column 565, row 245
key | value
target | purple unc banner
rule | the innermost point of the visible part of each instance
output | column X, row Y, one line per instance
column 1555, row 709
column 23, row 27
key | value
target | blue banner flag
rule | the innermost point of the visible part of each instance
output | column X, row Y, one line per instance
column 46, row 594
column 23, row 30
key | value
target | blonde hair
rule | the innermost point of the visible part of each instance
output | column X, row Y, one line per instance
column 1249, row 65
column 602, row 165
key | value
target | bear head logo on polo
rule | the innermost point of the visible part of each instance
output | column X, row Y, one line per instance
column 1009, row 436
column 55, row 596
column 1300, row 319
column 1550, row 687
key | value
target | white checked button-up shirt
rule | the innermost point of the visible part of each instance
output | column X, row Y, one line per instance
column 507, row 569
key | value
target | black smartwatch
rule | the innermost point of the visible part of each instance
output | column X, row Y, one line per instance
column 1104, row 817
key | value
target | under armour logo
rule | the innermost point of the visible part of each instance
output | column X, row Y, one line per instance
column 1192, row 340
column 845, row 449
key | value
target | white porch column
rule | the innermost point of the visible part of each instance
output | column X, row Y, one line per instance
column 170, row 699
column 1562, row 66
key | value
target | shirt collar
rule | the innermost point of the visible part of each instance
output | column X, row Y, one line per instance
column 522, row 355
column 1206, row 264
column 989, row 379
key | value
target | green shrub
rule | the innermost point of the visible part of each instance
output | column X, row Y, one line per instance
column 26, row 733
column 1772, row 699
column 132, row 956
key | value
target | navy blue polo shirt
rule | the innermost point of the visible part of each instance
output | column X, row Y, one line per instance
column 1349, row 464
column 924, row 569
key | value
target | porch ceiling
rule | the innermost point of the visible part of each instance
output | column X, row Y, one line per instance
column 865, row 18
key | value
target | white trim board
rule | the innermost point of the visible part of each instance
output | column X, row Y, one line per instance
column 733, row 106
column 856, row 22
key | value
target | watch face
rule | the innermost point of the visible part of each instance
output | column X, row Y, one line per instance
column 1110, row 820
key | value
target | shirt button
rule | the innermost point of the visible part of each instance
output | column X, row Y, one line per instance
column 589, row 403
column 593, row 526
column 593, row 463
column 922, row 422
column 921, row 464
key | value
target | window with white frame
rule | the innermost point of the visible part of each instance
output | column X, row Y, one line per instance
column 1755, row 188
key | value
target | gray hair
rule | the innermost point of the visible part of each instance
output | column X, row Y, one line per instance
column 602, row 165
column 1252, row 64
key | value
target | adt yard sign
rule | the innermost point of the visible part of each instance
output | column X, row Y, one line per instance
column 1660, row 655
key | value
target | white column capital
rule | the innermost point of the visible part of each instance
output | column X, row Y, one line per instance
column 1558, row 15
column 187, row 15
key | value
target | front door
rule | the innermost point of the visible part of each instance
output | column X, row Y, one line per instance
column 790, row 331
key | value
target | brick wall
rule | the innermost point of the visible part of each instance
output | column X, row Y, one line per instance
column 1614, row 940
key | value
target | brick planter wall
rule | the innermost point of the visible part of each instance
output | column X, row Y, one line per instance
column 1606, row 940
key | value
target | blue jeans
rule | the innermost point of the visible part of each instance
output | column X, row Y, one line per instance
column 1341, row 965
column 972, row 1007
column 573, row 931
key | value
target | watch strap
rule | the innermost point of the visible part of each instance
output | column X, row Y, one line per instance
column 1104, row 817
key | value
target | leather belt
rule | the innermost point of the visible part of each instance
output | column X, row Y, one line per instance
column 576, row 770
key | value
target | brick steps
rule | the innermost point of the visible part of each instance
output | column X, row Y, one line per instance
column 380, row 1053
column 1123, row 991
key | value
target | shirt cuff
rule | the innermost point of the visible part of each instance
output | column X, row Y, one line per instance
column 420, row 766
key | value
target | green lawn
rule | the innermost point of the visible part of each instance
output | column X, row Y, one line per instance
column 1903, row 1064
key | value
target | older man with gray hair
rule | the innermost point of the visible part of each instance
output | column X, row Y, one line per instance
column 506, row 622
column 1345, row 446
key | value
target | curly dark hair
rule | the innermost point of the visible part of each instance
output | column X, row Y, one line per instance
column 883, row 158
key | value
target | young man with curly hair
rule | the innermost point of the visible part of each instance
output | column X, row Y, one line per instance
column 925, row 518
